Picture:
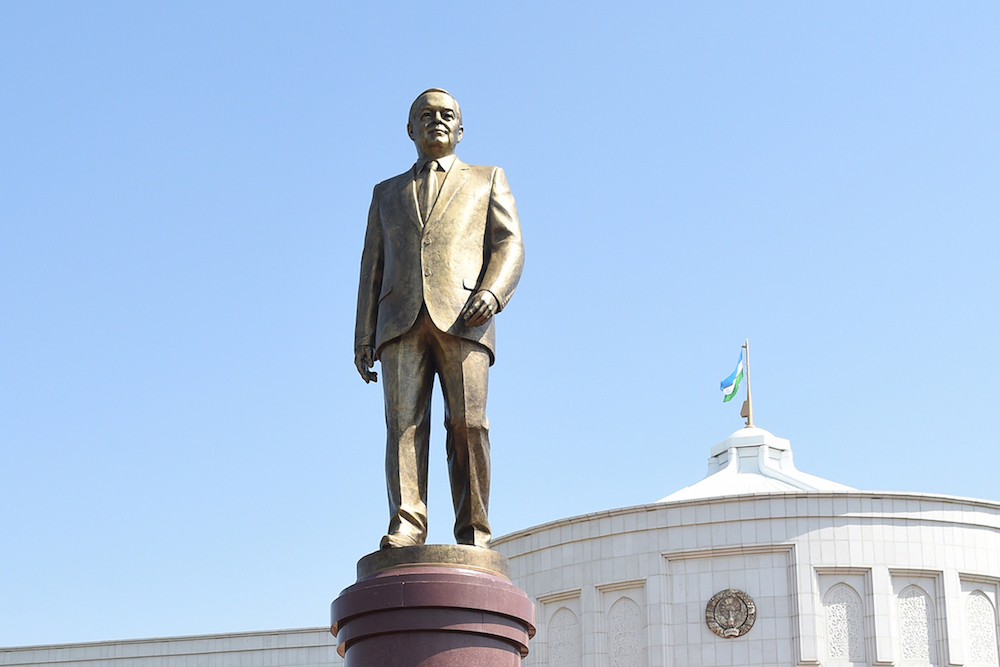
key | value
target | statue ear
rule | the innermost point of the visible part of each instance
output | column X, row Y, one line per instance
column 409, row 130
column 458, row 135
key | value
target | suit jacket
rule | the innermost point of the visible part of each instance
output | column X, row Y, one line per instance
column 470, row 241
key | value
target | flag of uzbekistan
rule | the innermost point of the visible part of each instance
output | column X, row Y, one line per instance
column 732, row 383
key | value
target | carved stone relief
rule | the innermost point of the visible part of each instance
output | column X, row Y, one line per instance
column 730, row 613
column 982, row 622
column 916, row 624
column 565, row 649
column 625, row 634
column 844, row 624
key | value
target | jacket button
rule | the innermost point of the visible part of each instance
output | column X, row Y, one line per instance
column 427, row 272
column 427, row 242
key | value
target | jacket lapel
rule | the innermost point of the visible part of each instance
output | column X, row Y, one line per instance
column 453, row 182
column 408, row 195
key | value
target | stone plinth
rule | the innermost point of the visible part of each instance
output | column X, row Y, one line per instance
column 433, row 606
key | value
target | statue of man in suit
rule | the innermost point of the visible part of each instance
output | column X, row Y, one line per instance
column 442, row 256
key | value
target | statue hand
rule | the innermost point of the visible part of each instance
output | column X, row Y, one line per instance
column 480, row 309
column 364, row 359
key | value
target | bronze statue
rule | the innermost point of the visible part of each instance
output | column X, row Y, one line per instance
column 442, row 255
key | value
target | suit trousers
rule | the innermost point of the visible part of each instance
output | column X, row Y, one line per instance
column 409, row 364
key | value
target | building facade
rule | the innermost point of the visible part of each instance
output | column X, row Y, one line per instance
column 825, row 574
column 758, row 564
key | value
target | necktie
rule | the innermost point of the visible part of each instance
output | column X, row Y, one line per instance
column 428, row 188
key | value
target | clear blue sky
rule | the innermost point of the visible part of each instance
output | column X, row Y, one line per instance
column 185, row 445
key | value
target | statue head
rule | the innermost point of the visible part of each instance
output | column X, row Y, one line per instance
column 435, row 123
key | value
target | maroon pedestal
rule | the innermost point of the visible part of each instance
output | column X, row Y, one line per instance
column 432, row 615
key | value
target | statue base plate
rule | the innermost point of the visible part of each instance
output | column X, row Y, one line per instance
column 433, row 606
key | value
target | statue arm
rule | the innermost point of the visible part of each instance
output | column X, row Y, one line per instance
column 505, row 257
column 369, row 287
column 506, row 251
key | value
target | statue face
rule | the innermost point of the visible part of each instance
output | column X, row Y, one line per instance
column 435, row 127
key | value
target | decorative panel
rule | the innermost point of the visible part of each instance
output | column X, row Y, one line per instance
column 565, row 646
column 845, row 624
column 916, row 625
column 982, row 622
column 625, row 634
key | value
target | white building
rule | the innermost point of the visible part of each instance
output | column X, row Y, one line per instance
column 836, row 576
column 799, row 570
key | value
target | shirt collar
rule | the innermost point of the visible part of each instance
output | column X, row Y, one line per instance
column 445, row 162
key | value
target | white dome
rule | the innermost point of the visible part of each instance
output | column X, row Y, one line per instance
column 753, row 460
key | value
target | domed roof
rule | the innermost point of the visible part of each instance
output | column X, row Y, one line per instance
column 753, row 460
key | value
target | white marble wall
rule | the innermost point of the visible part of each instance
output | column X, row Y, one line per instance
column 839, row 578
column 315, row 647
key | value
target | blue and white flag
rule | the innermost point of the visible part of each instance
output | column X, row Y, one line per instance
column 732, row 383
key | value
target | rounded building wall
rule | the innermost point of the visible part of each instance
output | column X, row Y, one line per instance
column 834, row 578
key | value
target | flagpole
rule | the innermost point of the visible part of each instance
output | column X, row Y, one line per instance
column 746, row 346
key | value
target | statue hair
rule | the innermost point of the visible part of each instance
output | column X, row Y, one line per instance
column 413, row 107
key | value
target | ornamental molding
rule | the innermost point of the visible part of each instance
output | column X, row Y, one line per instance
column 748, row 550
column 559, row 596
column 841, row 571
column 915, row 573
column 621, row 585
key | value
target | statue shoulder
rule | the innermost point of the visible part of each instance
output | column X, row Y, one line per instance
column 483, row 171
column 395, row 182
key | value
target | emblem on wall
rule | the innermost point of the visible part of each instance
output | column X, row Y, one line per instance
column 730, row 613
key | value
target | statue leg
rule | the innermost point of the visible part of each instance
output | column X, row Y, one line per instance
column 408, row 378
column 463, row 369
